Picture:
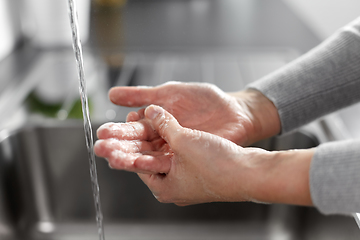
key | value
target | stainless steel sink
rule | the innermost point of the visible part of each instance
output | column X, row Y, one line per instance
column 46, row 194
column 45, row 189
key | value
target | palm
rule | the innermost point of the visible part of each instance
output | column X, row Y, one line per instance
column 207, row 109
column 199, row 106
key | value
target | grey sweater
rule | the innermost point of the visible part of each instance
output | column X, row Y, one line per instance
column 323, row 80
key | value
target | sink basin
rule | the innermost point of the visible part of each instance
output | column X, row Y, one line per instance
column 45, row 193
column 45, row 188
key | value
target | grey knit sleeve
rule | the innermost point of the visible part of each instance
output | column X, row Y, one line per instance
column 322, row 81
column 335, row 177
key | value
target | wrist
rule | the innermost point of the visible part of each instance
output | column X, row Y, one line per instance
column 262, row 112
column 283, row 177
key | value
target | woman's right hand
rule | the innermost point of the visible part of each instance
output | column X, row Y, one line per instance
column 243, row 117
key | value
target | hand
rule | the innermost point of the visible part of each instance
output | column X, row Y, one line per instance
column 178, row 164
column 242, row 118
column 186, row 166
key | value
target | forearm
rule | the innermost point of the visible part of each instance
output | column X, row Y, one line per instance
column 279, row 176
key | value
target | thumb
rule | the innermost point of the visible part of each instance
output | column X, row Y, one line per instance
column 163, row 123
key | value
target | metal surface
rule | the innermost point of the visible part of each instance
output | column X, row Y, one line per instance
column 48, row 196
column 173, row 24
column 47, row 191
column 54, row 199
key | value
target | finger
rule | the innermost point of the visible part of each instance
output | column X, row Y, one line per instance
column 127, row 155
column 132, row 117
column 133, row 96
column 126, row 131
column 159, row 163
column 103, row 148
column 155, row 163
column 141, row 113
column 135, row 116
column 118, row 159
column 163, row 123
column 126, row 161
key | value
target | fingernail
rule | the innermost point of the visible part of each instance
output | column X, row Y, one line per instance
column 153, row 111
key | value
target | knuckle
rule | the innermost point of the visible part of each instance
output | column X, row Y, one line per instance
column 163, row 126
column 116, row 160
